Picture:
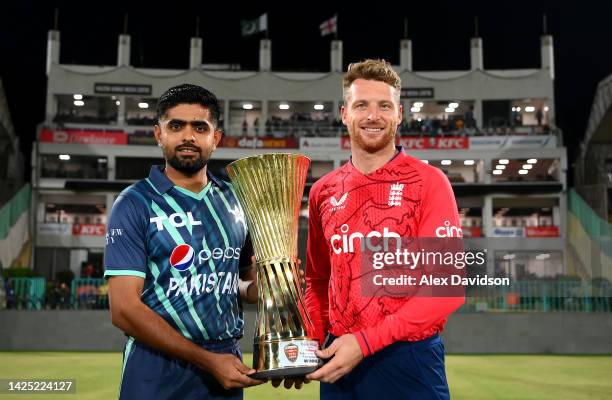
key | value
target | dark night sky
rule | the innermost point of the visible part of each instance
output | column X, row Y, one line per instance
column 440, row 32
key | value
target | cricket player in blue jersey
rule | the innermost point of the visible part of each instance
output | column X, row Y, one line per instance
column 179, row 263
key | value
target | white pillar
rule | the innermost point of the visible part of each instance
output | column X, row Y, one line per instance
column 336, row 56
column 123, row 51
column 265, row 55
column 121, row 110
column 487, row 216
column 478, row 116
column 484, row 173
column 547, row 54
column 406, row 55
column 226, row 116
column 111, row 166
column 476, row 53
column 195, row 53
column 53, row 48
column 263, row 118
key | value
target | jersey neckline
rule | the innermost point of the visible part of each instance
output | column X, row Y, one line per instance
column 197, row 196
column 162, row 184
column 398, row 156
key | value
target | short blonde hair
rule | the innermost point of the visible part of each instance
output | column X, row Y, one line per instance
column 373, row 70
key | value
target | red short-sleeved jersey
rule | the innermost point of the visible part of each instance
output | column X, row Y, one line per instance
column 405, row 197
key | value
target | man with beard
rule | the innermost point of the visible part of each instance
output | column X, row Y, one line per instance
column 178, row 261
column 377, row 347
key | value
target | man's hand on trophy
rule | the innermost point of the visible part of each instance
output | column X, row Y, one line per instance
column 346, row 354
column 302, row 273
column 289, row 382
column 231, row 373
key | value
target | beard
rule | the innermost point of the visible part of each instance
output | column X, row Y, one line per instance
column 187, row 165
column 372, row 145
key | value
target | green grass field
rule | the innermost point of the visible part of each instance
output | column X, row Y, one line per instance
column 470, row 377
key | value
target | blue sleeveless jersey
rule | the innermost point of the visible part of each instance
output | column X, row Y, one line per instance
column 188, row 247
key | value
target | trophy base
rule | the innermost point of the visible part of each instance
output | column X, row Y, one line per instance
column 283, row 373
column 285, row 358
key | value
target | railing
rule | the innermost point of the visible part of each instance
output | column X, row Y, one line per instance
column 520, row 296
column 89, row 293
column 26, row 293
column 541, row 296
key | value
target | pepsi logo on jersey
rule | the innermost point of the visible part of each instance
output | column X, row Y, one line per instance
column 183, row 256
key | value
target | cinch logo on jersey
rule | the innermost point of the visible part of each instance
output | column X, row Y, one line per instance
column 177, row 220
column 183, row 255
column 448, row 231
column 345, row 243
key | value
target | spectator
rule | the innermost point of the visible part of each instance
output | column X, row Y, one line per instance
column 539, row 115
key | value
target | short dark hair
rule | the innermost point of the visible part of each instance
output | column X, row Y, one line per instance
column 189, row 94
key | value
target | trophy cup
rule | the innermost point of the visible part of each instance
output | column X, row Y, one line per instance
column 269, row 188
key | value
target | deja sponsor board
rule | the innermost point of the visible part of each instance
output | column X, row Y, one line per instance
column 259, row 143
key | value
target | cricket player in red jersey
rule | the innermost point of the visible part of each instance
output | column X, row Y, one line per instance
column 376, row 347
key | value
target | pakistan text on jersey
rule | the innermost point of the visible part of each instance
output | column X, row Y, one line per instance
column 200, row 284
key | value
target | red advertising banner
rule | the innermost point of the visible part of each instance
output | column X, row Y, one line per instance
column 542, row 231
column 472, row 231
column 250, row 142
column 88, row 229
column 83, row 137
column 424, row 143
column 434, row 143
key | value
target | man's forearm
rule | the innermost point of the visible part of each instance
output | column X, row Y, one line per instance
column 415, row 316
column 146, row 326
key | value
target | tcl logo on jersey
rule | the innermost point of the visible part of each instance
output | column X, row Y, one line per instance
column 448, row 231
column 345, row 243
column 177, row 220
column 183, row 255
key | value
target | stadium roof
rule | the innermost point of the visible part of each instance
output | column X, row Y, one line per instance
column 7, row 132
column 599, row 127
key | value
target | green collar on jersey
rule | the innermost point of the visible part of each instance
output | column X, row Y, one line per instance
column 197, row 196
